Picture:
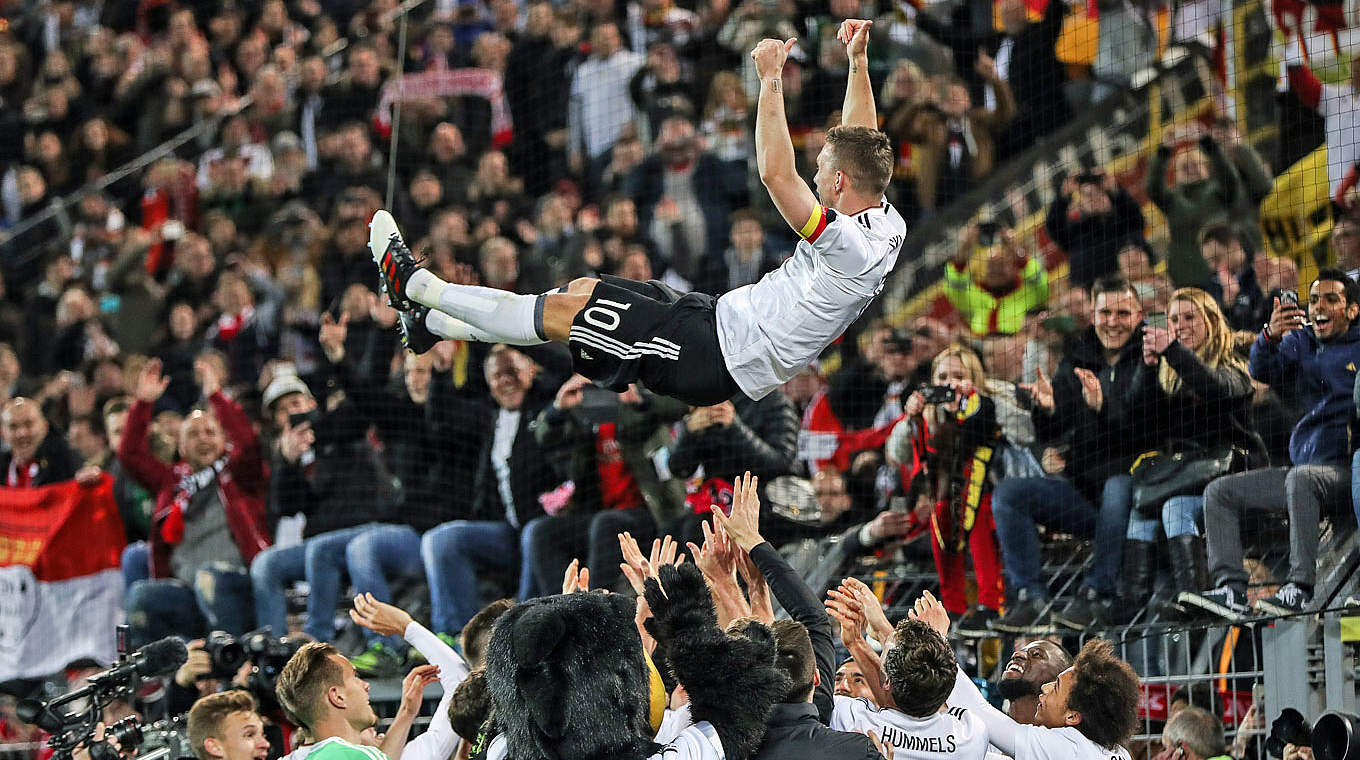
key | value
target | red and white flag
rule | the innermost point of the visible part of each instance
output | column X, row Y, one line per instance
column 61, row 591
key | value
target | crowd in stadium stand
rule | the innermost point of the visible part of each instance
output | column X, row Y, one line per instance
column 208, row 330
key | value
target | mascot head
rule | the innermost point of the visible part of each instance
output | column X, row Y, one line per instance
column 569, row 679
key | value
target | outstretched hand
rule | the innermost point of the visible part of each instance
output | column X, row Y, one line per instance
column 743, row 525
column 636, row 568
column 874, row 616
column 380, row 617
column 413, row 688
column 151, row 384
column 929, row 610
column 576, row 578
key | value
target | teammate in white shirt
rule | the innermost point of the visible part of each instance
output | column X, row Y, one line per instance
column 691, row 346
column 439, row 742
column 1087, row 713
column 919, row 667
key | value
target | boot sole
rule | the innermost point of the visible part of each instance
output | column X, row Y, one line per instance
column 1196, row 601
column 1264, row 607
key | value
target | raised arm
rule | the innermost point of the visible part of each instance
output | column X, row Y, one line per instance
column 439, row 740
column 134, row 450
column 1002, row 731
column 858, row 109
column 774, row 146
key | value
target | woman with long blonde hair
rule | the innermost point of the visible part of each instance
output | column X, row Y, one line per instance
column 1196, row 393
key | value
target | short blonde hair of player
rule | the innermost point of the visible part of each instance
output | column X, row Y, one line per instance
column 207, row 714
column 306, row 677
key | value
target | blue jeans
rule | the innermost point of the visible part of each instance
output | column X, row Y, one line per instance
column 218, row 601
column 320, row 560
column 450, row 550
column 1020, row 505
column 135, row 563
column 1180, row 517
column 1355, row 486
column 374, row 553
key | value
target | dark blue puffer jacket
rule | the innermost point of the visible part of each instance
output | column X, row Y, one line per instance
column 1322, row 378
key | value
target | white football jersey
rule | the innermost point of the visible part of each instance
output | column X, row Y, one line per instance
column 1024, row 742
column 771, row 330
column 698, row 742
column 956, row 733
column 1039, row 743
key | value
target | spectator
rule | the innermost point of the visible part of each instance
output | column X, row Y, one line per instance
column 1345, row 243
column 608, row 440
column 600, row 108
column 325, row 469
column 1014, row 283
column 945, row 449
column 738, row 435
column 1311, row 365
column 1196, row 734
column 1138, row 264
column 746, row 260
column 684, row 198
column 511, row 473
column 957, row 141
column 34, row 455
column 247, row 331
column 1086, row 406
column 1025, row 50
column 1233, row 282
column 206, row 528
column 869, row 389
column 1194, row 390
column 1254, row 175
column 1093, row 229
column 1203, row 190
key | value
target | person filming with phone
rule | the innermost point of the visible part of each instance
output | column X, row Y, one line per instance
column 1315, row 365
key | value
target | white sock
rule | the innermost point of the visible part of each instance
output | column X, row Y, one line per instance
column 476, row 313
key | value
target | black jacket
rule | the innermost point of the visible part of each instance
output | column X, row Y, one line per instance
column 1092, row 243
column 1103, row 443
column 426, row 447
column 763, row 439
column 342, row 486
column 794, row 733
column 1211, row 408
column 531, row 474
column 57, row 462
column 804, row 607
column 636, row 428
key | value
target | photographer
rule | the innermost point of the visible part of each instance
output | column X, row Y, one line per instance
column 1194, row 391
column 1090, row 219
column 209, row 521
column 226, row 726
column 1014, row 283
column 1315, row 365
column 945, row 448
column 609, row 438
column 1086, row 404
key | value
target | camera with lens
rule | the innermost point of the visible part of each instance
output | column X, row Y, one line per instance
column 227, row 655
column 269, row 654
column 936, row 394
column 1290, row 728
column 266, row 653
